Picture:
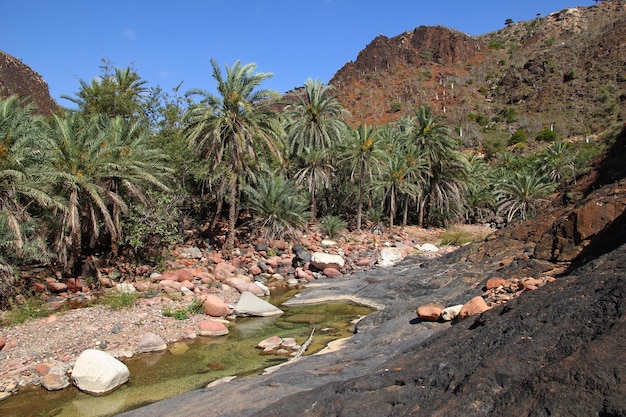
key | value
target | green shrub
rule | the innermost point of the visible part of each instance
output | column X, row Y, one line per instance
column 519, row 136
column 32, row 308
column 333, row 225
column 546, row 135
column 117, row 301
column 183, row 313
column 395, row 107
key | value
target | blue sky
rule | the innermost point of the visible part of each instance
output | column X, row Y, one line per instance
column 168, row 42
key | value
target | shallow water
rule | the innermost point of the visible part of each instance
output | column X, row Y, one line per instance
column 160, row 375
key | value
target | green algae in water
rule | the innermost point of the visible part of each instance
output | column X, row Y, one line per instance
column 159, row 375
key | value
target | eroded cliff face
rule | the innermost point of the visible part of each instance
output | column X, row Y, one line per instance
column 16, row 78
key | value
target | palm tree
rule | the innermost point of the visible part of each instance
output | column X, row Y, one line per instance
column 278, row 208
column 235, row 128
column 315, row 173
column 77, row 160
column 20, row 154
column 480, row 199
column 118, row 92
column 398, row 181
column 520, row 193
column 315, row 121
column 447, row 167
column 132, row 166
column 364, row 153
column 557, row 160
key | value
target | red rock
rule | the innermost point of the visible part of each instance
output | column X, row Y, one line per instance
column 2, row 342
column 494, row 283
column 273, row 261
column 224, row 270
column 211, row 328
column 106, row 282
column 429, row 312
column 141, row 286
column 278, row 244
column 57, row 286
column 166, row 276
column 255, row 270
column 42, row 368
column 39, row 287
column 184, row 275
column 474, row 306
column 214, row 306
column 53, row 305
column 364, row 262
column 54, row 382
column 331, row 273
column 271, row 342
column 74, row 284
column 50, row 319
column 237, row 262
column 167, row 283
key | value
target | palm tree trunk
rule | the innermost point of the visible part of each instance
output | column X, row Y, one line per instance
column 392, row 208
column 232, row 219
column 313, row 205
column 359, row 207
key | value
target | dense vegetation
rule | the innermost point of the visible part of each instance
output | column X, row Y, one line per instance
column 131, row 167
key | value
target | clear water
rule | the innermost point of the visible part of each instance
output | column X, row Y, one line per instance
column 161, row 375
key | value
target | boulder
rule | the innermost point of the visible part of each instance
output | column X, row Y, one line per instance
column 56, row 286
column 390, row 256
column 271, row 342
column 251, row 305
column 2, row 342
column 322, row 260
column 54, row 382
column 151, row 342
column 125, row 288
column 211, row 328
column 495, row 282
column 192, row 252
column 450, row 313
column 97, row 372
column 428, row 247
column 184, row 275
column 332, row 273
column 214, row 306
column 429, row 312
column 476, row 305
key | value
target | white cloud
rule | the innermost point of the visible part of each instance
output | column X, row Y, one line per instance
column 129, row 34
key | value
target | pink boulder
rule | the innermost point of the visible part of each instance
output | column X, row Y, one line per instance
column 474, row 306
column 429, row 312
column 495, row 282
column 211, row 328
column 214, row 306
column 255, row 270
column 57, row 286
column 184, row 275
column 331, row 273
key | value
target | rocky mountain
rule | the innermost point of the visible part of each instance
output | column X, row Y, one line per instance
column 566, row 70
column 17, row 78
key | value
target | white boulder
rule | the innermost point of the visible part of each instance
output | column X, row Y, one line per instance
column 322, row 260
column 390, row 256
column 428, row 247
column 97, row 372
column 450, row 313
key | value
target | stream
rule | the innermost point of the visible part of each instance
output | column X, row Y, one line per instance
column 196, row 363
